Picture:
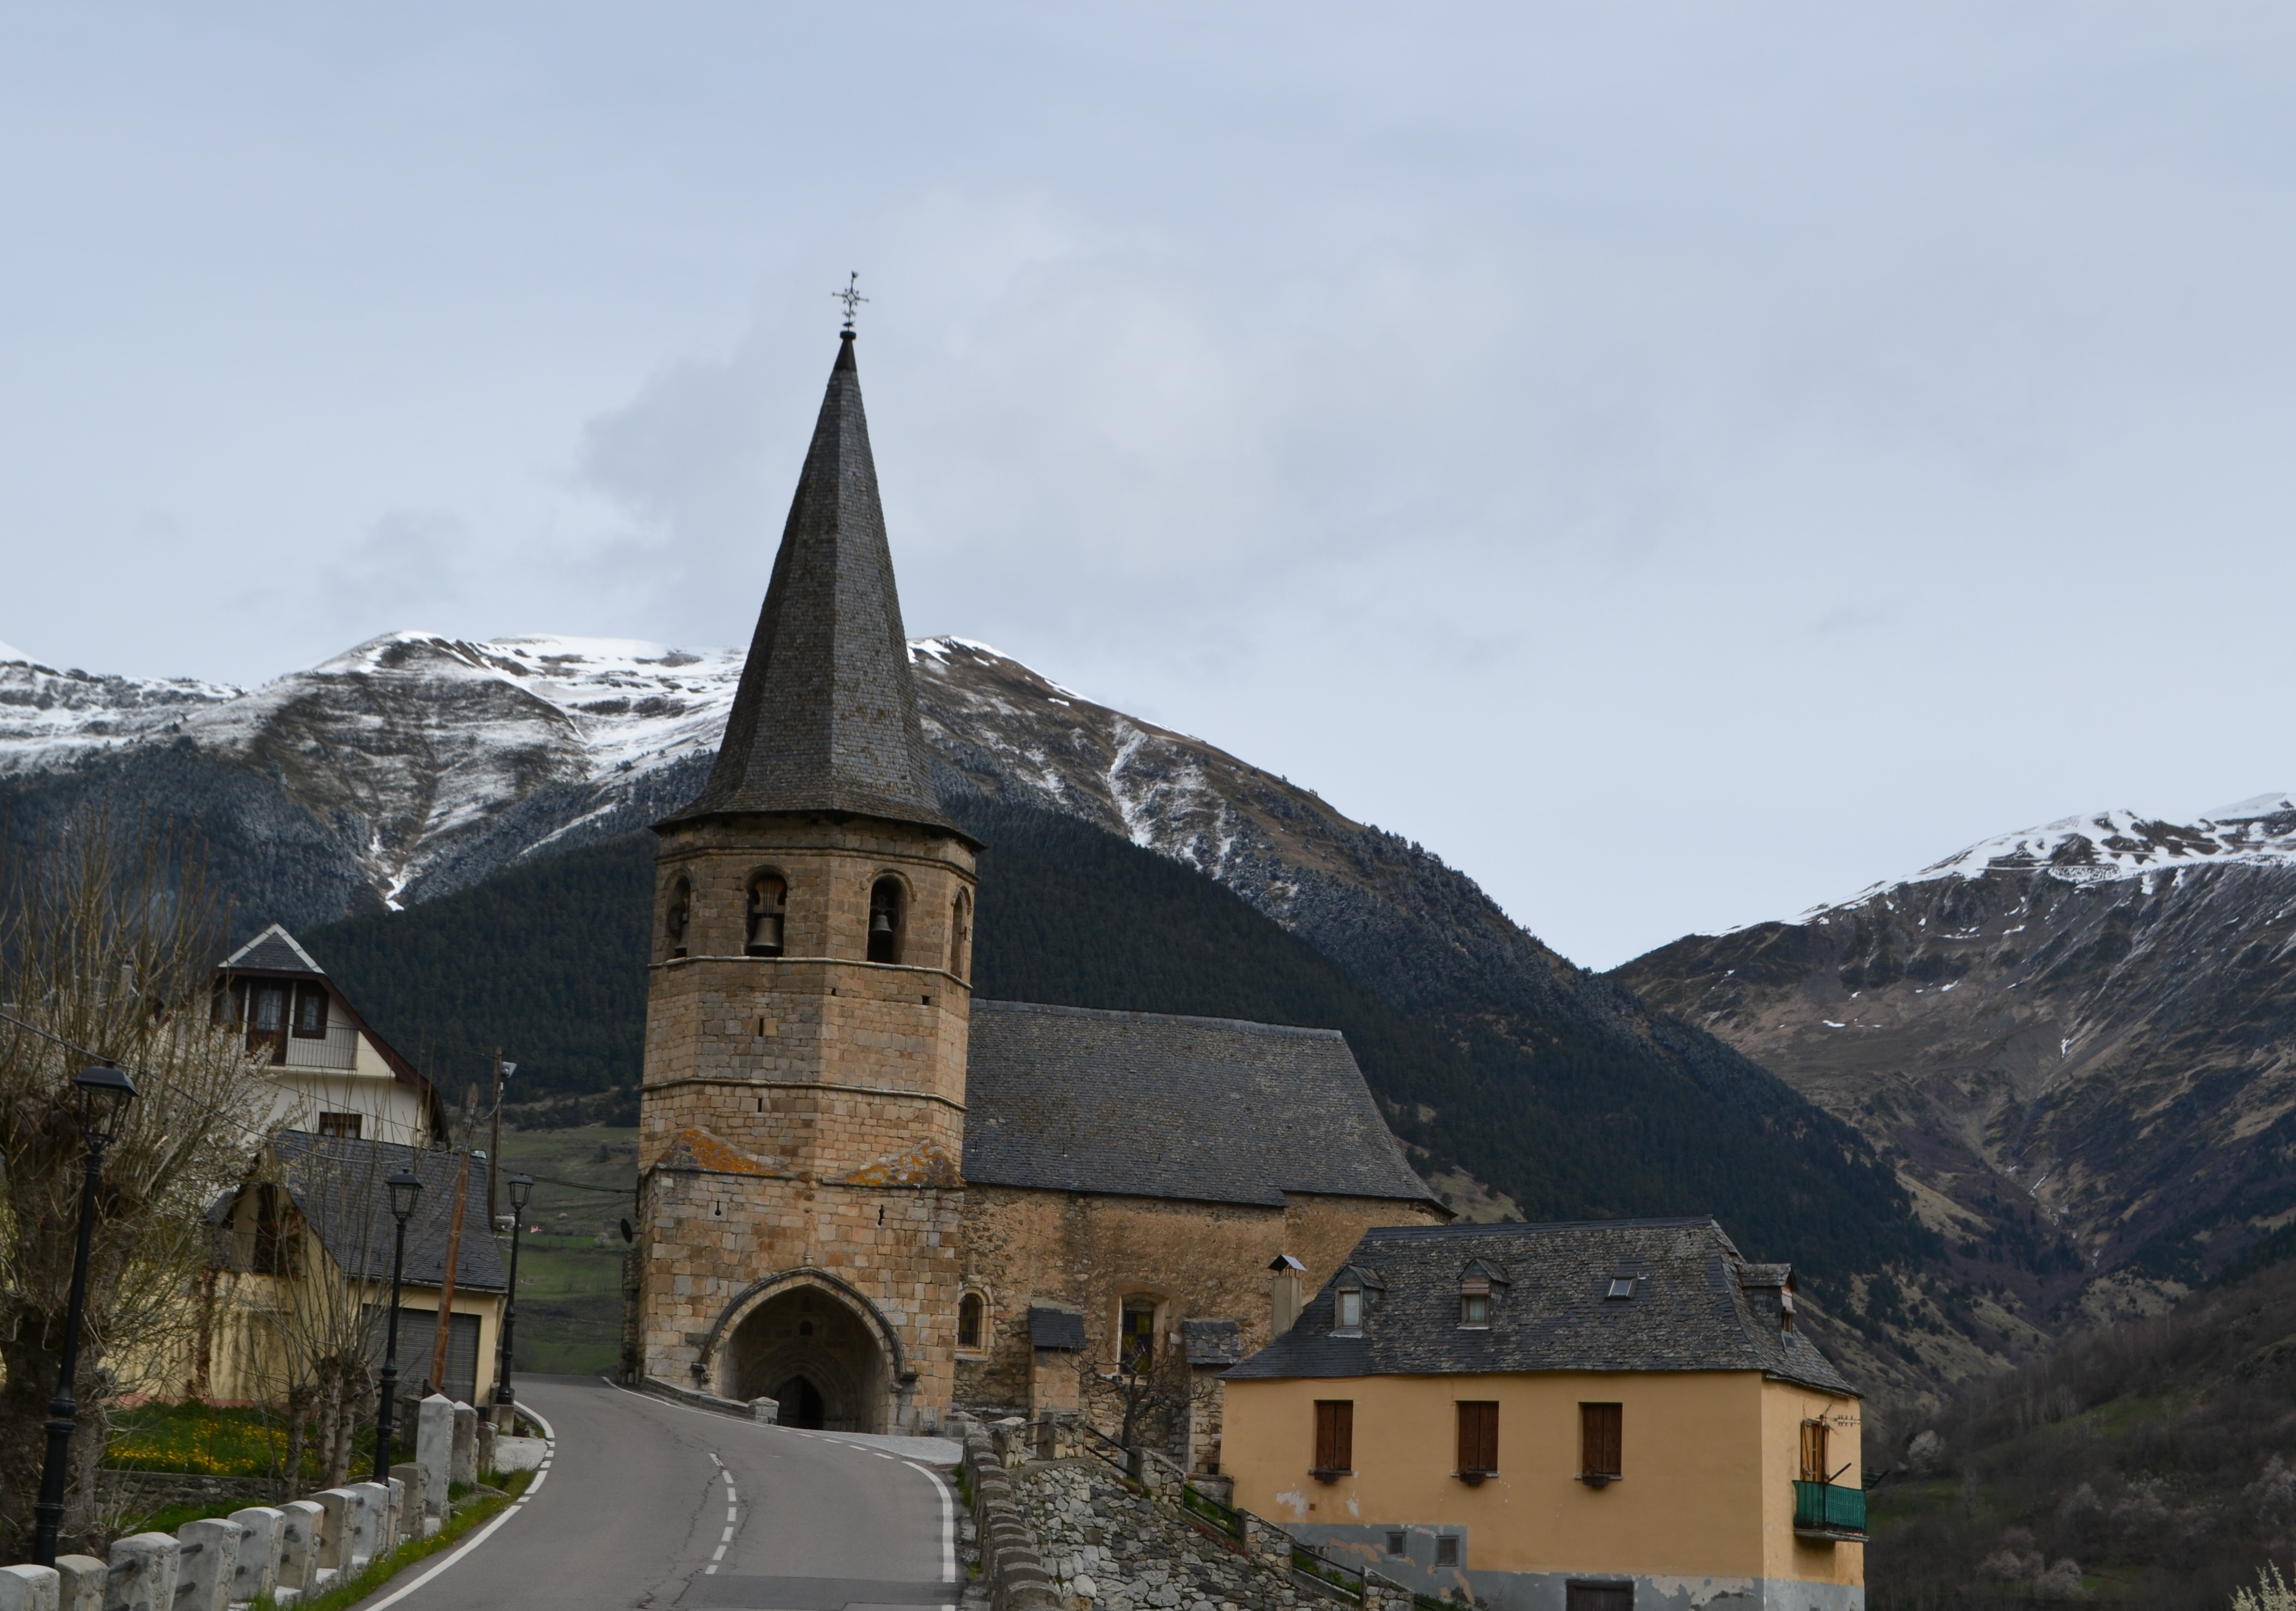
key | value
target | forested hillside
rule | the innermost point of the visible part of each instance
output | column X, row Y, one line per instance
column 546, row 959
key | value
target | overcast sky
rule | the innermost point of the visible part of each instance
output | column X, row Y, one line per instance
column 1681, row 463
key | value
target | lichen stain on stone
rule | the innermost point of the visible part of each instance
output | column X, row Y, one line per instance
column 926, row 1164
column 700, row 1149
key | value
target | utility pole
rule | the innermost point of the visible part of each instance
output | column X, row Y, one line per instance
column 446, row 1280
column 494, row 1147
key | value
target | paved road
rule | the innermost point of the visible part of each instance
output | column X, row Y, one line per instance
column 647, row 1503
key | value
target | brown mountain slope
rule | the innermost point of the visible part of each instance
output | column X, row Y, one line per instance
column 2077, row 1042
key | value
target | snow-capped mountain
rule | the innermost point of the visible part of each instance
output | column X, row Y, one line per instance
column 2082, row 1036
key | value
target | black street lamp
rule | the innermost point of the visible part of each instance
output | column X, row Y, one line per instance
column 104, row 1094
column 405, row 1187
column 522, row 1188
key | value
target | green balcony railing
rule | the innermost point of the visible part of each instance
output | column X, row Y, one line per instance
column 1829, row 1508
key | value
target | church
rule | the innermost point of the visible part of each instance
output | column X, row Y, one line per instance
column 873, row 1198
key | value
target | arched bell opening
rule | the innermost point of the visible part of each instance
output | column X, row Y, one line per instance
column 766, row 914
column 889, row 903
column 677, row 915
column 807, row 1348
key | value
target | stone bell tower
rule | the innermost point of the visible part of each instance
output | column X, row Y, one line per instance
column 802, row 1116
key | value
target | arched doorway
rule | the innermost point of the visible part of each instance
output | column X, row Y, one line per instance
column 807, row 1348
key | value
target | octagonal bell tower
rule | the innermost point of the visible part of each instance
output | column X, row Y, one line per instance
column 802, row 1116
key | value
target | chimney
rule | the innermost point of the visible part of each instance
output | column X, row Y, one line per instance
column 1284, row 1295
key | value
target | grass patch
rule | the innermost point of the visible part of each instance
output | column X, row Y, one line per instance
column 459, row 1526
column 203, row 1439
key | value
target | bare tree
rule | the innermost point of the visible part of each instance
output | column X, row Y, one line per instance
column 302, row 1327
column 106, row 937
column 1148, row 1399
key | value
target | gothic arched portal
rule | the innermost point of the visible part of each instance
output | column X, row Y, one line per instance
column 807, row 1348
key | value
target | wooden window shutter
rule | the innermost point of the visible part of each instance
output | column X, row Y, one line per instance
column 1599, row 1439
column 1814, row 1467
column 1478, row 1436
column 1335, row 1435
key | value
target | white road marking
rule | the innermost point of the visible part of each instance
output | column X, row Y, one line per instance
column 729, row 1513
column 727, row 1537
column 947, row 1521
column 714, row 1459
column 720, row 1554
column 541, row 1475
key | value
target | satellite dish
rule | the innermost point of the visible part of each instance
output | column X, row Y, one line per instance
column 627, row 1235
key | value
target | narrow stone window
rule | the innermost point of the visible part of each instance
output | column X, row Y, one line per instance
column 971, row 1312
column 1136, row 1347
column 676, row 915
column 887, row 902
column 769, row 911
column 960, row 935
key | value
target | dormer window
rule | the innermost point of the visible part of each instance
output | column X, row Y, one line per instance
column 768, row 912
column 1475, row 1303
column 1348, row 1309
column 676, row 915
column 888, row 904
column 1621, row 1286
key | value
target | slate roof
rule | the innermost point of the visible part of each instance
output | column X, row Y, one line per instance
column 337, row 1181
column 825, row 716
column 1212, row 1342
column 274, row 951
column 1691, row 1310
column 1144, row 1104
column 1050, row 1327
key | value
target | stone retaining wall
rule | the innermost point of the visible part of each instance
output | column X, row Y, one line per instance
column 1070, row 1532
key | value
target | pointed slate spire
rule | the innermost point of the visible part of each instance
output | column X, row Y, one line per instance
column 826, row 717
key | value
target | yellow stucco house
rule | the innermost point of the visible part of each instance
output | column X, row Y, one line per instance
column 1615, row 1416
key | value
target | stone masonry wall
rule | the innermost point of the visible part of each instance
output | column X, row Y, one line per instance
column 1203, row 1261
column 1073, row 1534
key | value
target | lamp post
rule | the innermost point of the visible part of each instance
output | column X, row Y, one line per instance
column 104, row 1094
column 406, row 1187
column 522, row 1188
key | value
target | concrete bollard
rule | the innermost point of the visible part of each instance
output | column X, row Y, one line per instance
column 485, row 1460
column 81, row 1579
column 301, row 1522
column 394, row 1512
column 463, row 1464
column 30, row 1589
column 405, row 1502
column 335, row 1530
column 370, row 1516
column 434, row 1449
column 207, row 1556
column 142, row 1576
column 258, row 1571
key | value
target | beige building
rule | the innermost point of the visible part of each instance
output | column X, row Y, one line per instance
column 1561, row 1418
column 301, row 1277
column 866, row 1195
column 335, row 1074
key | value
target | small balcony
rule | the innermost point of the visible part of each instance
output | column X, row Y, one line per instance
column 336, row 1048
column 1828, row 1510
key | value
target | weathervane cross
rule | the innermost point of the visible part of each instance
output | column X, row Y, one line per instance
column 852, row 297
